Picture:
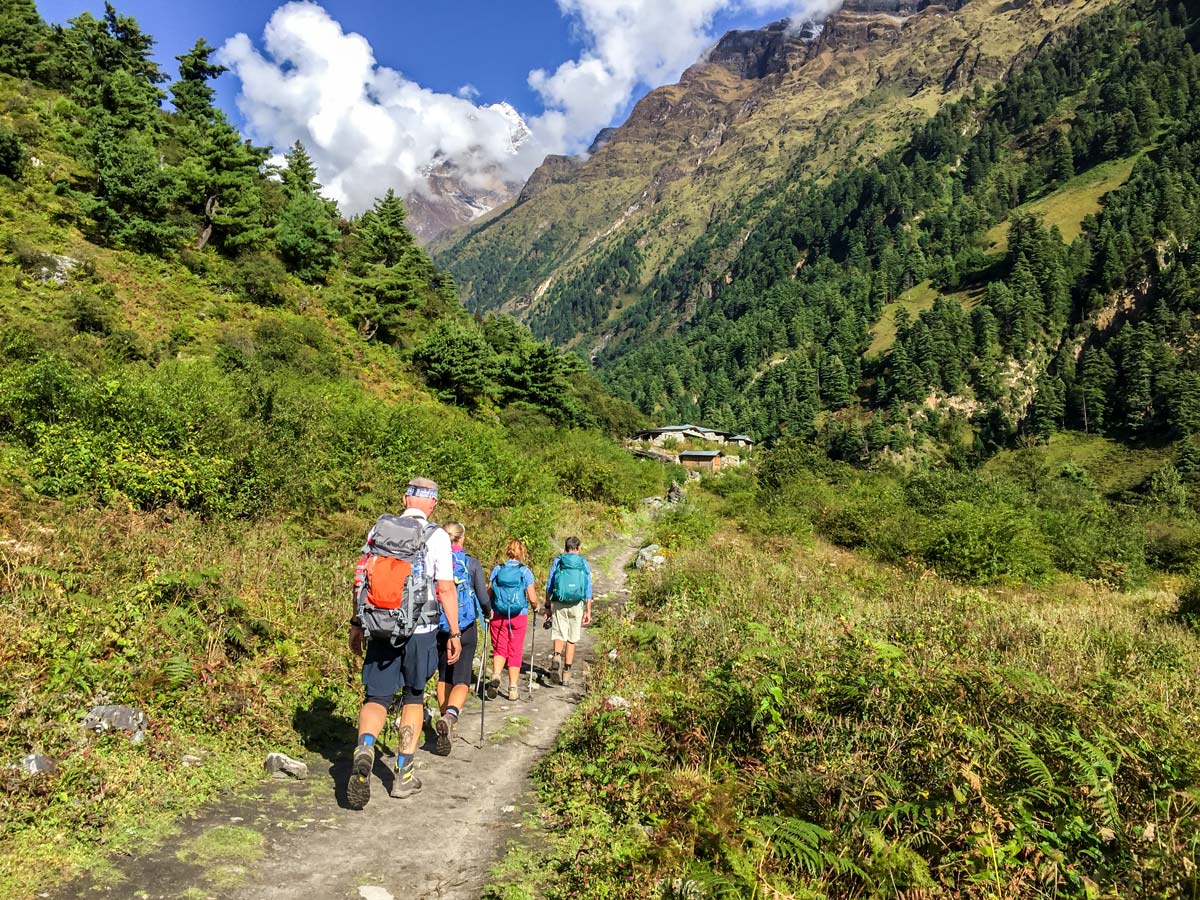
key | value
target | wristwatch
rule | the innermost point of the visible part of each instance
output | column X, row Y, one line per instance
column 455, row 634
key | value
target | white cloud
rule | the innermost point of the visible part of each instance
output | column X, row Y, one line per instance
column 369, row 128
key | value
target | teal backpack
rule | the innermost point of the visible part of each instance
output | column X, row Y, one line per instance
column 508, row 589
column 570, row 579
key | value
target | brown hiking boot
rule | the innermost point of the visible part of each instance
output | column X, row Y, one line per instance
column 447, row 731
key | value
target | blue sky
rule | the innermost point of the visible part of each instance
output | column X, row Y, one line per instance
column 491, row 44
column 373, row 88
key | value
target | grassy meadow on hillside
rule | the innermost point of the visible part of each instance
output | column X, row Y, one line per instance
column 805, row 723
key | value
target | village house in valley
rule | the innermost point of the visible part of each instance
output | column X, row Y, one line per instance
column 659, row 437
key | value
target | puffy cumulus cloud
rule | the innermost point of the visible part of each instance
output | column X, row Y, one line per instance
column 366, row 126
column 369, row 128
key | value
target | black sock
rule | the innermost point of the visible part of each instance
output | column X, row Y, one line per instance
column 452, row 711
column 566, row 667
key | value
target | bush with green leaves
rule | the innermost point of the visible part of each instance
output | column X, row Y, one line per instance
column 12, row 154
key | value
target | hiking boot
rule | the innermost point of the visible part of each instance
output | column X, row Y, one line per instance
column 492, row 689
column 358, row 788
column 514, row 693
column 556, row 669
column 447, row 731
column 405, row 783
column 564, row 677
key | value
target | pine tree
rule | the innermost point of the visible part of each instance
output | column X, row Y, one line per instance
column 834, row 385
column 192, row 95
column 24, row 38
column 307, row 237
column 300, row 174
column 1062, row 168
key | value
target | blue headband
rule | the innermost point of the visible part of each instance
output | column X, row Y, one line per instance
column 414, row 490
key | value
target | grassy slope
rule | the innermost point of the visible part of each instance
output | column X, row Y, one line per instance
column 229, row 633
column 797, row 683
column 1068, row 206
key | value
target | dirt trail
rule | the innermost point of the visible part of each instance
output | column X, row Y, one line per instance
column 303, row 843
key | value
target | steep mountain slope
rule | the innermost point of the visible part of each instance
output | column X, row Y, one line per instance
column 926, row 293
column 450, row 199
column 764, row 106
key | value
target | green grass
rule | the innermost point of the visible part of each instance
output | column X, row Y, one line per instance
column 916, row 300
column 1113, row 466
column 806, row 723
column 224, row 844
column 1068, row 206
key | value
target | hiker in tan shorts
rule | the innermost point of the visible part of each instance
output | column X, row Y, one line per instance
column 569, row 606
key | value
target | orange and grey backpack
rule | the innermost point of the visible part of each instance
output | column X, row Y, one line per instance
column 397, row 596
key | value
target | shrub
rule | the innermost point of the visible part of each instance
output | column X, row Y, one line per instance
column 260, row 278
column 12, row 154
column 1188, row 609
column 987, row 545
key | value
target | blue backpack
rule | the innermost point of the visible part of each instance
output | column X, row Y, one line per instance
column 466, row 592
column 508, row 589
column 570, row 579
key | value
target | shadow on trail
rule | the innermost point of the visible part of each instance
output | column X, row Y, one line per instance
column 324, row 730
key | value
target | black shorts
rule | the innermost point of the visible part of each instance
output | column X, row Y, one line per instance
column 388, row 671
column 460, row 672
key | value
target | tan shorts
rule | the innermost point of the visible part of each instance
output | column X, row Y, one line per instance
column 568, row 621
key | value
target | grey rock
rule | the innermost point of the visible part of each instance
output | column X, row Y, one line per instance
column 652, row 502
column 281, row 765
column 615, row 701
column 55, row 269
column 36, row 764
column 116, row 718
column 649, row 557
column 191, row 761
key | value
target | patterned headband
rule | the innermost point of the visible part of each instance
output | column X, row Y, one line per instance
column 416, row 490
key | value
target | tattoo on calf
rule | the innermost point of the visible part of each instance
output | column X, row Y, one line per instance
column 408, row 739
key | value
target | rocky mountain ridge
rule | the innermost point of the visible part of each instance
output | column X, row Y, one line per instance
column 760, row 105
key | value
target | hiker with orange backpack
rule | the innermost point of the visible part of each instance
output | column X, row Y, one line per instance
column 474, row 601
column 403, row 583
column 513, row 596
column 568, row 607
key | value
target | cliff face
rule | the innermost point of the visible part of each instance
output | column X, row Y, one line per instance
column 763, row 105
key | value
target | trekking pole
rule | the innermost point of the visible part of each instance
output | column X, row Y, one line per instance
column 483, row 659
column 532, row 644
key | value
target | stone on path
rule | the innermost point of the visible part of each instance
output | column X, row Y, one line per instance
column 280, row 765
column 370, row 892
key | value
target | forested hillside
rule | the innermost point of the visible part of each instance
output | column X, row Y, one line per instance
column 211, row 382
column 936, row 280
column 1020, row 262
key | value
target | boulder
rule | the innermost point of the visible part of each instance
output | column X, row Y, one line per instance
column 649, row 558
column 615, row 701
column 36, row 764
column 280, row 765
column 652, row 502
column 128, row 719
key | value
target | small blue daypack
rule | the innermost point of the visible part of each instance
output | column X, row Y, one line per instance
column 466, row 592
column 508, row 589
column 570, row 579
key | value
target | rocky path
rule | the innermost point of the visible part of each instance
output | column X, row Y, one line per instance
column 301, row 841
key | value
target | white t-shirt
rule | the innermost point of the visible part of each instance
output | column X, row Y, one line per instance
column 439, row 562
